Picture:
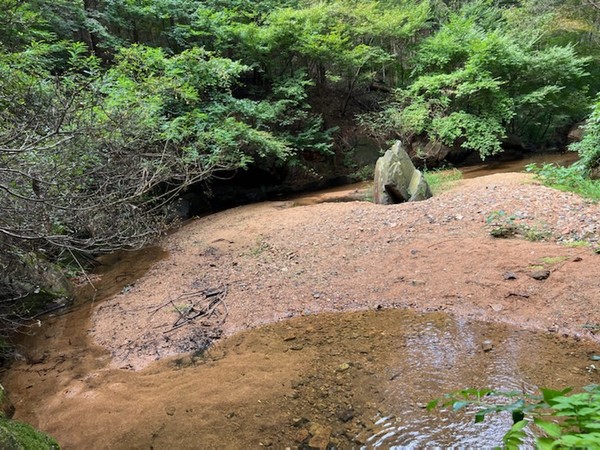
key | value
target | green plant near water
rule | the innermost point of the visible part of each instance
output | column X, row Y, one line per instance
column 442, row 180
column 558, row 419
column 570, row 179
column 21, row 436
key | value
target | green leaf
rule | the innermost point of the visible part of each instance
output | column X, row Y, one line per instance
column 550, row 428
column 550, row 394
column 432, row 404
column 459, row 405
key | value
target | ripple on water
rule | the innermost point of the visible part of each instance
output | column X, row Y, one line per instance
column 347, row 379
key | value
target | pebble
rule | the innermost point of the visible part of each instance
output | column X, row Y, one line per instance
column 344, row 414
column 540, row 275
column 487, row 346
column 343, row 367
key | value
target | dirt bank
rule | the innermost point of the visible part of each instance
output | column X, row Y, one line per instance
column 273, row 261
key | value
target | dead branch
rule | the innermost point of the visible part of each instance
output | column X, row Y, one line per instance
column 203, row 306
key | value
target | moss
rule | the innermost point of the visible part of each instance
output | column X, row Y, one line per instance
column 550, row 260
column 21, row 436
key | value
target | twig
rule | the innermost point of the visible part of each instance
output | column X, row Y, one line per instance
column 83, row 270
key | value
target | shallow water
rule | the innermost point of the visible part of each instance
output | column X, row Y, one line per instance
column 518, row 165
column 343, row 379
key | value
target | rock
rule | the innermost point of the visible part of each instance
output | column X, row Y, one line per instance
column 343, row 367
column 301, row 436
column 299, row 421
column 429, row 153
column 487, row 346
column 576, row 132
column 540, row 274
column 344, row 414
column 320, row 436
column 18, row 436
column 509, row 276
column 397, row 180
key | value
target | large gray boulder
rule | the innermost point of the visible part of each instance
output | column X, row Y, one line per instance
column 397, row 180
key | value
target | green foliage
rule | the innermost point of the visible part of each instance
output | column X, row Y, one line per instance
column 503, row 225
column 476, row 81
column 442, row 180
column 20, row 436
column 571, row 179
column 560, row 418
column 589, row 147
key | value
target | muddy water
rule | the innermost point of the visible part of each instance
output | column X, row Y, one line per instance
column 344, row 379
column 518, row 165
column 362, row 191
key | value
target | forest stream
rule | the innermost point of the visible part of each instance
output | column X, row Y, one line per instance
column 404, row 317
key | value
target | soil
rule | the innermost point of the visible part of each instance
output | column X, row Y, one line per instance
column 277, row 261
column 91, row 378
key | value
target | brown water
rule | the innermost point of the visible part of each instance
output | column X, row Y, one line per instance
column 347, row 379
column 518, row 165
column 362, row 191
column 341, row 379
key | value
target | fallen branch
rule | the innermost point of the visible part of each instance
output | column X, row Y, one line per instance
column 210, row 303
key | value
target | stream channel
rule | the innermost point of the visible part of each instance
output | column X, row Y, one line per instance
column 343, row 380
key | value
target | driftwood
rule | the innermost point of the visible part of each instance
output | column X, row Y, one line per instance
column 203, row 306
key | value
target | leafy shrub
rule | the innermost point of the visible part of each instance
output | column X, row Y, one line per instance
column 559, row 420
column 589, row 147
column 572, row 179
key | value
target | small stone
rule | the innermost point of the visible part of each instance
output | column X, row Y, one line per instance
column 170, row 411
column 301, row 436
column 577, row 259
column 343, row 367
column 320, row 436
column 289, row 338
column 509, row 276
column 344, row 414
column 540, row 274
column 297, row 347
column 497, row 307
column 299, row 421
column 362, row 438
column 487, row 346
